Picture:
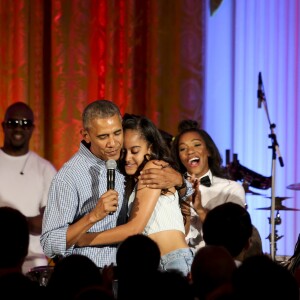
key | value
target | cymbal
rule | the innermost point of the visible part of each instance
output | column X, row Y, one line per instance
column 295, row 186
column 278, row 207
column 279, row 199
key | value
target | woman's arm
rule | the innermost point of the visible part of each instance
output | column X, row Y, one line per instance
column 143, row 206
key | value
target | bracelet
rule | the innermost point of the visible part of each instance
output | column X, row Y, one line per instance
column 178, row 188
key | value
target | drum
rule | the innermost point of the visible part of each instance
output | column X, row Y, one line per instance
column 40, row 274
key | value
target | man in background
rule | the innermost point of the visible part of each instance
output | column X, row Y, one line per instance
column 25, row 177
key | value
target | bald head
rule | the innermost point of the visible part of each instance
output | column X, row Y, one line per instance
column 19, row 110
column 18, row 127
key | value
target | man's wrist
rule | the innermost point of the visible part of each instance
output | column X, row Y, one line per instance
column 182, row 186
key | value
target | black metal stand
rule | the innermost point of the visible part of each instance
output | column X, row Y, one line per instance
column 275, row 150
column 276, row 237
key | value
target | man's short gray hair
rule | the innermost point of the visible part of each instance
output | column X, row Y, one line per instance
column 99, row 109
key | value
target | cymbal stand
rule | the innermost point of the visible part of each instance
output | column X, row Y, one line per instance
column 277, row 221
column 275, row 149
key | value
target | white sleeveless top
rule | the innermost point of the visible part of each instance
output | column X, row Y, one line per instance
column 166, row 215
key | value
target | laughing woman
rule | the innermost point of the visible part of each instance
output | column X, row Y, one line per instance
column 199, row 160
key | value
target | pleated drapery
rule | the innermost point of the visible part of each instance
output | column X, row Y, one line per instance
column 58, row 56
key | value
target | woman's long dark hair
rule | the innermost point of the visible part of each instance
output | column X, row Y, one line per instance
column 151, row 134
column 214, row 160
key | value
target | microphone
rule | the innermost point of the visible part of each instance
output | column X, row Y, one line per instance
column 260, row 93
column 111, row 173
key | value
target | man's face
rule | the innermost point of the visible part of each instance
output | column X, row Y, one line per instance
column 106, row 137
column 17, row 127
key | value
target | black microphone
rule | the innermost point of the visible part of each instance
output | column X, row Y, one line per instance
column 111, row 173
column 260, row 93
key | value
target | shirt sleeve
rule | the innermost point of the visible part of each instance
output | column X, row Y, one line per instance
column 189, row 190
column 48, row 174
column 237, row 194
column 59, row 213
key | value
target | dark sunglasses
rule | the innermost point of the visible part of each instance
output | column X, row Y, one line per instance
column 14, row 123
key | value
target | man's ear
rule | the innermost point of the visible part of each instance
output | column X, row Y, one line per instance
column 189, row 278
column 249, row 243
column 85, row 135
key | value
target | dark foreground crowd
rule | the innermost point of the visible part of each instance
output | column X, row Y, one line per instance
column 162, row 220
column 214, row 274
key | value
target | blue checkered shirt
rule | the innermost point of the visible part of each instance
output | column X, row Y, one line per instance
column 74, row 192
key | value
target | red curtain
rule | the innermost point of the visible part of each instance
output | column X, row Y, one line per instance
column 58, row 56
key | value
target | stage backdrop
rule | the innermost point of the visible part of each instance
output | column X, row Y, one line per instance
column 146, row 56
column 168, row 60
column 243, row 39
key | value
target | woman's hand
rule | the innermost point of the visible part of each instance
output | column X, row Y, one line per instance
column 197, row 201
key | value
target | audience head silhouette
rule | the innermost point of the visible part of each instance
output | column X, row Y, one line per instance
column 170, row 285
column 93, row 292
column 260, row 278
column 137, row 259
column 255, row 247
column 211, row 270
column 138, row 253
column 228, row 225
column 138, row 276
column 15, row 233
column 71, row 274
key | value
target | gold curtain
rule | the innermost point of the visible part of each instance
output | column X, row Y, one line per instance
column 58, row 56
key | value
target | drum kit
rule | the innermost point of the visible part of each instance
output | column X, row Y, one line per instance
column 278, row 204
column 249, row 179
column 40, row 274
column 279, row 207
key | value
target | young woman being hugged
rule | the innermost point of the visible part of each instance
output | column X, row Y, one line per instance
column 152, row 212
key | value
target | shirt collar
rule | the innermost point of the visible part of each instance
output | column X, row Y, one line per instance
column 91, row 158
column 208, row 173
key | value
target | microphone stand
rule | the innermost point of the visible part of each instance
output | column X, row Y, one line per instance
column 275, row 150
